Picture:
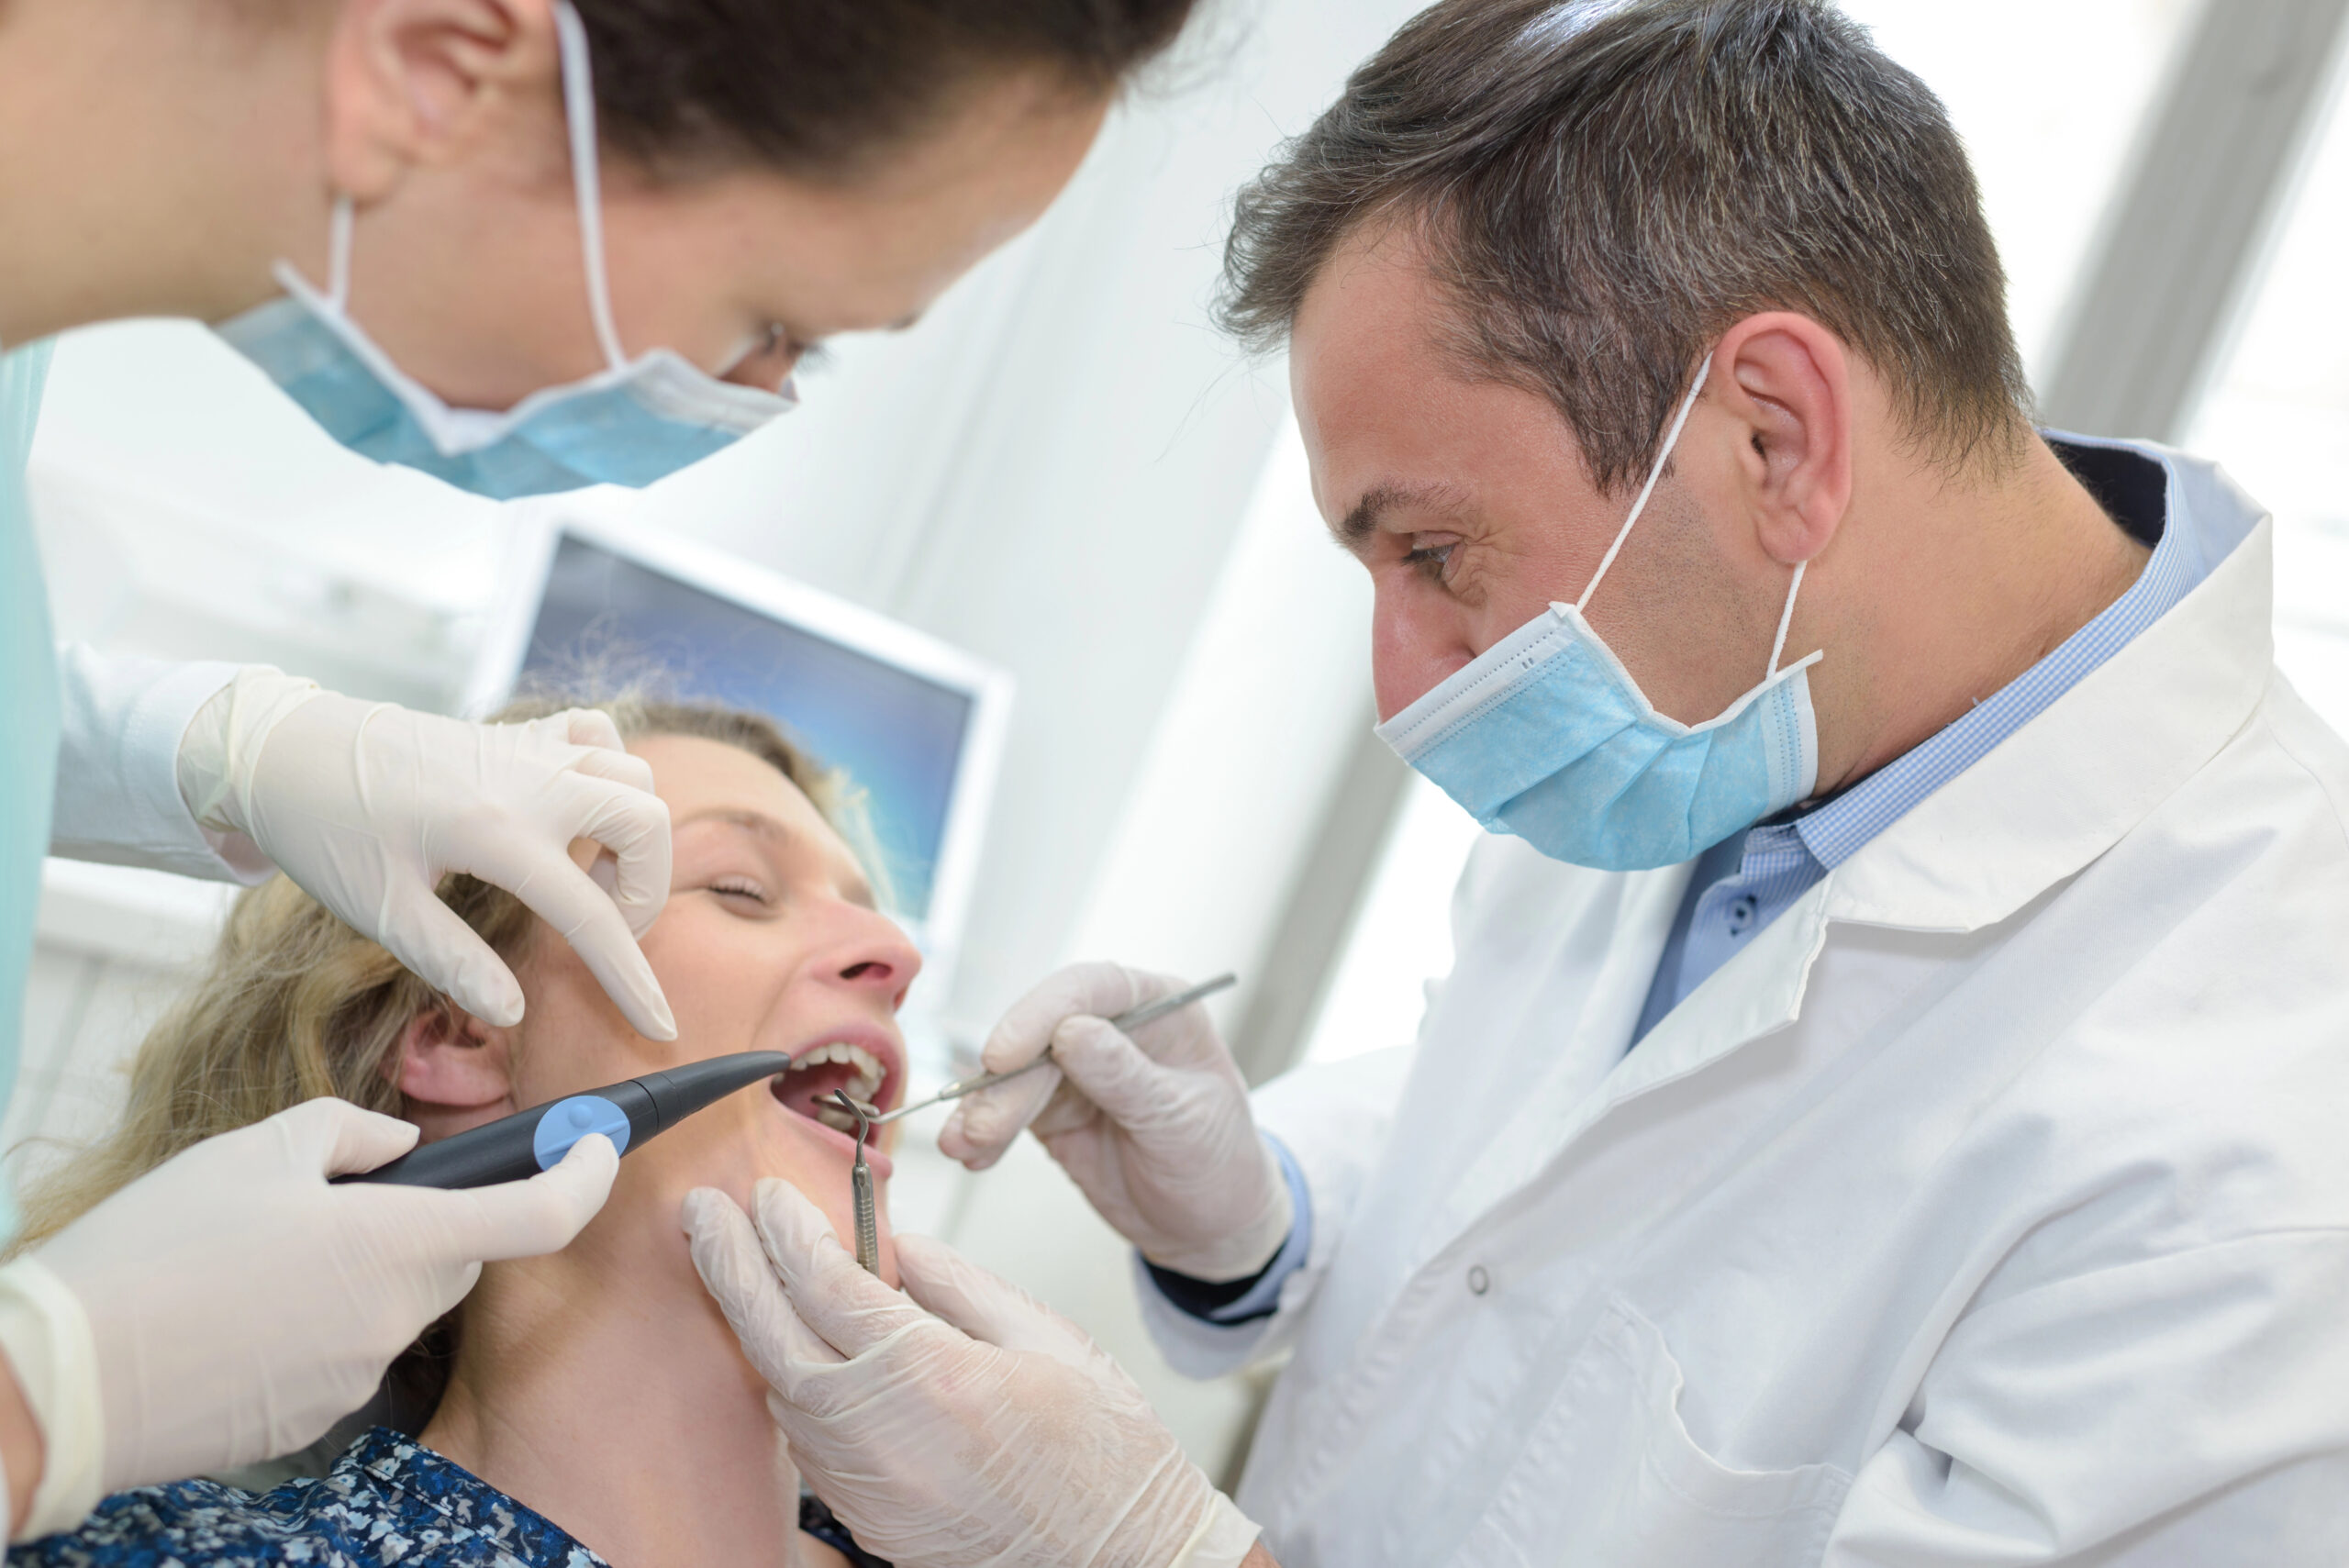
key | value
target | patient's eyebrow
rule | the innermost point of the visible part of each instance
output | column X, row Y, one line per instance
column 774, row 829
column 757, row 822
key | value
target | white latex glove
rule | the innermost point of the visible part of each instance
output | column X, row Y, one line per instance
column 983, row 1431
column 1156, row 1132
column 234, row 1305
column 366, row 806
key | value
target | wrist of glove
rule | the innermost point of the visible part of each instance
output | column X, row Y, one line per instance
column 1155, row 1128
column 232, row 1304
column 1250, row 1246
column 367, row 806
column 47, row 1338
column 216, row 755
column 960, row 1424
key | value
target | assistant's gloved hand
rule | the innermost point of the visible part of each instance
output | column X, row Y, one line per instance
column 366, row 806
column 1156, row 1132
column 967, row 1427
column 231, row 1305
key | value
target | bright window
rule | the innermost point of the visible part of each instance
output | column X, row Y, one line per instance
column 2048, row 98
column 2278, row 417
column 1402, row 935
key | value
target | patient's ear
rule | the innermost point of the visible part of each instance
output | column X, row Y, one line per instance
column 454, row 1071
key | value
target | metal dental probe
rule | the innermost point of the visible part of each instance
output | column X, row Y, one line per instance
column 860, row 1187
column 1124, row 1023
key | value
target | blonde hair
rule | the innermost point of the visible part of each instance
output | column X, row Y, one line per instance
column 294, row 1003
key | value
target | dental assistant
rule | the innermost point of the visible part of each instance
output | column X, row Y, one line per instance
column 1885, row 1108
column 524, row 247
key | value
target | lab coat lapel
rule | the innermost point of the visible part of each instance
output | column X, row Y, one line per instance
column 1756, row 994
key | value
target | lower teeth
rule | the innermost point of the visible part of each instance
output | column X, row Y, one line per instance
column 831, row 1115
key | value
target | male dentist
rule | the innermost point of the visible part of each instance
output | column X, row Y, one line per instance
column 1887, row 1109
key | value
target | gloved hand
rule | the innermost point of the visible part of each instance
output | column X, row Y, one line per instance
column 366, row 806
column 994, row 1432
column 236, row 1306
column 1156, row 1132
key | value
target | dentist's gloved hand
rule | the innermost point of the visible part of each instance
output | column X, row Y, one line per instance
column 1156, row 1130
column 967, row 1427
column 366, row 806
column 231, row 1305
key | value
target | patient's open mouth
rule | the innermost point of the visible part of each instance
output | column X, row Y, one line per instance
column 814, row 1074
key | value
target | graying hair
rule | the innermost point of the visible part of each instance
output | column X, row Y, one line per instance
column 1606, row 186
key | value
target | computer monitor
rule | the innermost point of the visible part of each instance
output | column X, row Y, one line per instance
column 916, row 725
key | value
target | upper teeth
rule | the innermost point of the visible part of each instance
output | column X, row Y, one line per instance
column 867, row 1066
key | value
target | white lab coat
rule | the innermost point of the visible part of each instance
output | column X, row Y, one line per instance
column 1992, row 1206
column 118, row 767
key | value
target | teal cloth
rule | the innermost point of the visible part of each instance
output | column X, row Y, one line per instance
column 28, row 713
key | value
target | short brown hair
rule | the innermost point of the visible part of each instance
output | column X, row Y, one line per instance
column 1606, row 188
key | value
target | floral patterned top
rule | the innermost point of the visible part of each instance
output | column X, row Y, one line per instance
column 388, row 1500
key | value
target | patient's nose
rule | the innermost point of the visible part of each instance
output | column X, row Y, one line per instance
column 874, row 954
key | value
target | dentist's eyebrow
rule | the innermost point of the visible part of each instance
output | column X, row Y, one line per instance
column 855, row 889
column 1353, row 530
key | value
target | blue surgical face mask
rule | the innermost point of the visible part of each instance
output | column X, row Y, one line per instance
column 636, row 421
column 1547, row 736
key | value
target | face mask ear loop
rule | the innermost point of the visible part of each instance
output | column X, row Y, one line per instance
column 587, row 177
column 339, row 231
column 1664, row 455
column 1786, row 620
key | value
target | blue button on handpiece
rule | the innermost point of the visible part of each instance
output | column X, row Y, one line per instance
column 568, row 1121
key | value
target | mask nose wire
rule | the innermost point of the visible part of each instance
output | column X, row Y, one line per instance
column 1664, row 455
column 586, row 176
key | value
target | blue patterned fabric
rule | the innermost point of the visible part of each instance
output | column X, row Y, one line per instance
column 1744, row 883
column 388, row 1500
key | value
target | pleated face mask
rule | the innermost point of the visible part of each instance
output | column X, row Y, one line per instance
column 635, row 421
column 1546, row 736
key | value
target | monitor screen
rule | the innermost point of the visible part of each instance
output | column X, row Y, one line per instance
column 899, row 735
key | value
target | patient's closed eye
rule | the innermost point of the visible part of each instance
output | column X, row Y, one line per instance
column 741, row 887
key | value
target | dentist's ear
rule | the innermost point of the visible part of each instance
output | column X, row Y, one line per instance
column 1787, row 381
column 453, row 1071
column 422, row 83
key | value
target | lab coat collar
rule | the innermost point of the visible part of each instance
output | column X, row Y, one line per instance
column 2067, row 785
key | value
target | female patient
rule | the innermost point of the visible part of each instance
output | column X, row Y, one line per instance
column 596, row 1407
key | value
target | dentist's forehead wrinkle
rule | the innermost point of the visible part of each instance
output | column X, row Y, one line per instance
column 1354, row 529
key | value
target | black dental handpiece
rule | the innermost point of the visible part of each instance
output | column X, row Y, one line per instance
column 527, row 1142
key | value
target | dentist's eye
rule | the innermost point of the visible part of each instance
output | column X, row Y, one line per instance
column 1431, row 559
